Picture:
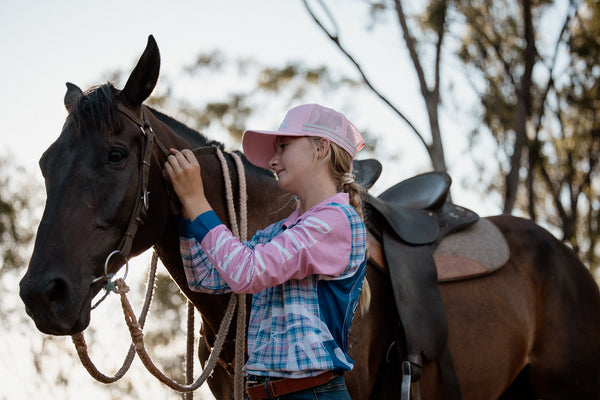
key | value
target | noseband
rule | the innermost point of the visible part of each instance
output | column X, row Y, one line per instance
column 141, row 206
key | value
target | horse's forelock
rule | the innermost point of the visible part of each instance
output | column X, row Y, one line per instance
column 97, row 109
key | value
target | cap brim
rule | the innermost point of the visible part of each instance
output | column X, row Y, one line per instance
column 259, row 147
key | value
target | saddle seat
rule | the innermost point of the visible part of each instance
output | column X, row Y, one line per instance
column 423, row 192
column 416, row 209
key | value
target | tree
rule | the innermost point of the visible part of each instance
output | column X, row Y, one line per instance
column 255, row 84
column 433, row 19
column 18, row 201
column 537, row 85
column 535, row 80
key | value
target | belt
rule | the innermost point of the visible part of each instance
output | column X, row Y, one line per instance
column 278, row 387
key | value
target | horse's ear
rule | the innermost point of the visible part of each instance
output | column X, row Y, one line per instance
column 143, row 78
column 73, row 93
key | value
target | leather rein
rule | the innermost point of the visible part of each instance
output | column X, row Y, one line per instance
column 138, row 216
column 140, row 208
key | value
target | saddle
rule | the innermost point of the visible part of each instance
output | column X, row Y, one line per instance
column 409, row 220
column 366, row 172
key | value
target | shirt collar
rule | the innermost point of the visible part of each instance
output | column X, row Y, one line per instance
column 295, row 217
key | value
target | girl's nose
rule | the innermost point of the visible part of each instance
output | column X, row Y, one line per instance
column 273, row 161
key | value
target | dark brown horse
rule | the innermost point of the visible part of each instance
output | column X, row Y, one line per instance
column 532, row 326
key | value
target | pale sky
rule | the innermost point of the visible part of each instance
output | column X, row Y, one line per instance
column 47, row 43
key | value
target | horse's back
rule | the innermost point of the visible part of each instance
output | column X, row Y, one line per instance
column 492, row 326
column 531, row 324
column 565, row 357
column 540, row 310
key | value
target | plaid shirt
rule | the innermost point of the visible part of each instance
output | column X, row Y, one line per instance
column 306, row 273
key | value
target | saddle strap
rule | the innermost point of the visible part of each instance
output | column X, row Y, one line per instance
column 418, row 300
column 448, row 374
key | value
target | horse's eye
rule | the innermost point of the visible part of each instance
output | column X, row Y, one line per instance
column 116, row 155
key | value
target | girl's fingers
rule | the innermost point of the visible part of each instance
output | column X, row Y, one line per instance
column 182, row 165
column 185, row 159
column 174, row 164
column 189, row 156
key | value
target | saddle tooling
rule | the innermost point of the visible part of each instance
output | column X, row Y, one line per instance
column 407, row 223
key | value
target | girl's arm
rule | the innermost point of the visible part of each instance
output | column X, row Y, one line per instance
column 319, row 244
column 199, row 271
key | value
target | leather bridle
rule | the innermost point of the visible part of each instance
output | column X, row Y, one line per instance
column 142, row 204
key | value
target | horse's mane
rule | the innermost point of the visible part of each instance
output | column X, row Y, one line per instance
column 97, row 107
column 197, row 139
column 188, row 134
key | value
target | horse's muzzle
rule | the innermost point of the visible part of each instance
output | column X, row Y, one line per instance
column 53, row 307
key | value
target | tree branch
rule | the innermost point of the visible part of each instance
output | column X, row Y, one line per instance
column 335, row 39
column 410, row 44
column 438, row 48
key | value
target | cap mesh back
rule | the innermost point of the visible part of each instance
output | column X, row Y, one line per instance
column 326, row 118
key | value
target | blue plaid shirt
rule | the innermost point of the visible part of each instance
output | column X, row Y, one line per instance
column 302, row 308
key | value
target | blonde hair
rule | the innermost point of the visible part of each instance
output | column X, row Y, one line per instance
column 340, row 165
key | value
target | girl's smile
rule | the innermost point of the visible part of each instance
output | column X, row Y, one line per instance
column 293, row 160
column 300, row 168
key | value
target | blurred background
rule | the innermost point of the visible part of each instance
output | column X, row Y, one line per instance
column 501, row 94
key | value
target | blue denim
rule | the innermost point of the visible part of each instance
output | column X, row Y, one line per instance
column 335, row 389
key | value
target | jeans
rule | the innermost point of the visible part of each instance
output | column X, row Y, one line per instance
column 335, row 389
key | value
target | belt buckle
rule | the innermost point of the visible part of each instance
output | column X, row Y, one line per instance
column 254, row 380
column 252, row 383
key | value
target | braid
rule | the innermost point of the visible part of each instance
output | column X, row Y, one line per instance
column 354, row 194
column 340, row 166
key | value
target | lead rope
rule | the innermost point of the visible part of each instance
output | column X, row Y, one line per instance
column 81, row 346
column 189, row 357
column 119, row 286
column 240, row 341
column 137, row 337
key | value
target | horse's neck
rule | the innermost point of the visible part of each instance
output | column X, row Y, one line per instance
column 167, row 245
column 174, row 134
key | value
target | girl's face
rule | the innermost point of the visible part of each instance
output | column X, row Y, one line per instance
column 293, row 162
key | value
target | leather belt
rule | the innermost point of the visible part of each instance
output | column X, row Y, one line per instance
column 279, row 387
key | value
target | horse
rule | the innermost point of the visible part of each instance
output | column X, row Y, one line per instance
column 529, row 330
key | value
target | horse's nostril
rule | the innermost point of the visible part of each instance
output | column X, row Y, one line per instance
column 56, row 294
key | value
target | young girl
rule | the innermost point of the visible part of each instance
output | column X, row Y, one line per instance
column 306, row 272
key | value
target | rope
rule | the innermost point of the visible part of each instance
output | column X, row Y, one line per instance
column 81, row 346
column 135, row 327
column 241, row 233
column 137, row 337
column 228, row 194
column 189, row 359
column 243, row 197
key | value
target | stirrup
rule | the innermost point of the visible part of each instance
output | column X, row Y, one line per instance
column 406, row 378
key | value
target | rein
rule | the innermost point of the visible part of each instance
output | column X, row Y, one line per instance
column 140, row 209
column 118, row 286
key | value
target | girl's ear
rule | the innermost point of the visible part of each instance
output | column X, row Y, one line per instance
column 323, row 146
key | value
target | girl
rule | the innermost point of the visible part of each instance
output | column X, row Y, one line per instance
column 306, row 272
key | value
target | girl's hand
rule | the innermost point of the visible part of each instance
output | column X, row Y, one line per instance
column 183, row 170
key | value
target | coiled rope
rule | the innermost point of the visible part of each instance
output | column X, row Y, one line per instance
column 136, row 326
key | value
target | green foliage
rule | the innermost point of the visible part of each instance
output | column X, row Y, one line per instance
column 434, row 17
column 289, row 83
column 556, row 108
column 19, row 196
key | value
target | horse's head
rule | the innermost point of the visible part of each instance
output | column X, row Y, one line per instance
column 93, row 176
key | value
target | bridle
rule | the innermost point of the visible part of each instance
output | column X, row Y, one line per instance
column 142, row 204
column 138, row 216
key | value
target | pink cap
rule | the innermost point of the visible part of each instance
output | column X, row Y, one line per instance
column 305, row 120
